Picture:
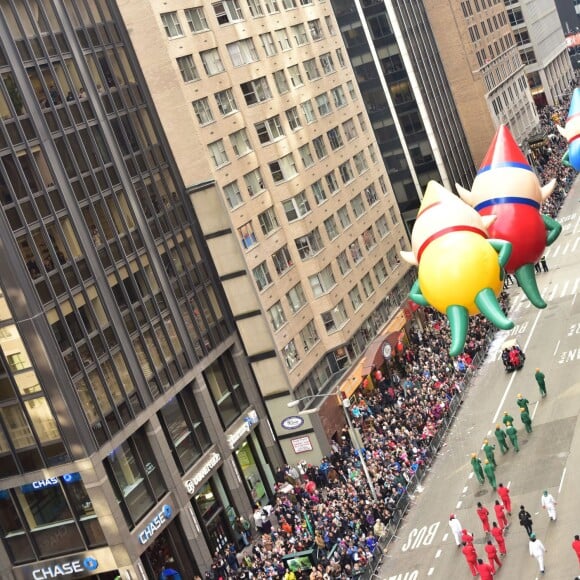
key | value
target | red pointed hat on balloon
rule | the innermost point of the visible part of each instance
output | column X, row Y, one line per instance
column 507, row 187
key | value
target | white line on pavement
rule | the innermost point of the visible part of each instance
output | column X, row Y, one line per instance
column 431, row 570
column 465, row 489
column 563, row 293
column 535, row 409
column 557, row 347
column 575, row 244
column 562, row 480
column 470, row 475
column 438, row 553
column 458, row 504
column 511, row 381
column 445, row 537
column 553, row 292
column 509, row 483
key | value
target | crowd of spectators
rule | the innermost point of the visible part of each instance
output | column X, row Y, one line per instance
column 398, row 410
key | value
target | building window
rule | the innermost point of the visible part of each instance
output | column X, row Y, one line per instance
column 225, row 102
column 268, row 44
column 289, row 4
column 212, row 63
column 355, row 298
column 309, row 336
column 315, row 30
column 196, row 19
column 218, row 153
column 269, row 130
column 283, row 40
column 299, row 33
column 346, row 173
column 296, row 298
column 240, row 142
column 247, row 235
column 226, row 389
column 335, row 138
column 255, row 8
column 326, row 63
column 312, row 72
column 184, row 429
column 227, row 11
column 369, row 239
column 277, row 316
column 349, row 129
column 308, row 111
column 309, row 245
column 254, row 182
column 295, row 76
column 322, row 282
column 283, row 169
column 352, row 91
column 268, row 221
column 256, row 91
column 203, row 111
column 330, row 25
column 360, row 163
column 334, row 319
column 343, row 217
column 187, row 68
column 393, row 215
column 282, row 260
column 383, row 184
column 392, row 258
column 332, row 182
column 290, row 354
column 380, row 270
column 306, row 156
column 331, row 228
column 339, row 97
column 318, row 192
column 171, row 24
column 343, row 263
column 372, row 153
column 281, row 82
column 233, row 194
column 323, row 105
column 371, row 194
column 320, row 147
column 271, row 6
column 340, row 58
column 242, row 52
column 355, row 252
column 262, row 276
column 135, row 477
column 382, row 226
column 293, row 118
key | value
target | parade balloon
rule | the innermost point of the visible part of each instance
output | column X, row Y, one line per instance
column 460, row 269
column 571, row 132
column 507, row 188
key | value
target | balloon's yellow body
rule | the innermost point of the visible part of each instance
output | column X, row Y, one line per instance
column 455, row 267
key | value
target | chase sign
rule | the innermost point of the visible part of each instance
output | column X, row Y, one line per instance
column 158, row 521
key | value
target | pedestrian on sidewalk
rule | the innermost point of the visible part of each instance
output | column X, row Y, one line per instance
column 522, row 402
column 477, row 469
column 470, row 557
column 497, row 534
column 537, row 550
column 491, row 552
column 541, row 380
column 549, row 503
column 500, row 435
column 490, row 474
column 504, row 494
column 576, row 547
column 512, row 433
column 526, row 520
column 483, row 514
column 507, row 418
column 484, row 570
column 488, row 450
column 456, row 528
column 544, row 264
column 500, row 515
column 526, row 420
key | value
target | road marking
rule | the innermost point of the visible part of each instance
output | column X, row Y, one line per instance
column 470, row 475
column 458, row 504
column 431, row 570
column 511, row 381
column 489, row 433
column 562, row 480
column 556, row 251
column 557, row 347
column 465, row 489
column 445, row 537
column 563, row 293
column 553, row 293
column 509, row 483
column 575, row 244
column 438, row 553
column 535, row 409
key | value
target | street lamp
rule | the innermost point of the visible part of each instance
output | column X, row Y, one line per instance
column 354, row 433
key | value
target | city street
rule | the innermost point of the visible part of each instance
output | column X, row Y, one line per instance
column 549, row 457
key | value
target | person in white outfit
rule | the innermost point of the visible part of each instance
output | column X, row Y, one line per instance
column 456, row 528
column 549, row 503
column 537, row 550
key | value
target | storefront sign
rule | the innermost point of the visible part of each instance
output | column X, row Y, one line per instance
column 293, row 422
column 387, row 350
column 301, row 444
column 250, row 420
column 73, row 566
column 155, row 524
column 192, row 483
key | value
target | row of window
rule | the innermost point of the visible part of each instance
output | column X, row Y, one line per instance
column 494, row 50
column 513, row 93
column 225, row 12
column 468, row 11
column 503, row 70
column 493, row 23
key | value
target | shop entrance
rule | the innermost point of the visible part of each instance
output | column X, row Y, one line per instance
column 170, row 549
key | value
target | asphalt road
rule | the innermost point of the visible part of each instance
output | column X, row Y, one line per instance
column 549, row 458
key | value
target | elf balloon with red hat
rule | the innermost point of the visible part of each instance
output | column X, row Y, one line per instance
column 571, row 132
column 507, row 187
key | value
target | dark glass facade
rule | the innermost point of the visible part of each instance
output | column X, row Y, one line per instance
column 110, row 309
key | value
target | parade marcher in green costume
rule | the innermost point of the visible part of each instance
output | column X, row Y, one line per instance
column 488, row 450
column 541, row 380
column 500, row 436
column 522, row 403
column 490, row 473
column 477, row 469
column 526, row 420
column 512, row 433
column 507, row 418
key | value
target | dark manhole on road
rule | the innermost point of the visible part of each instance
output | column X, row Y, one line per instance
column 481, row 492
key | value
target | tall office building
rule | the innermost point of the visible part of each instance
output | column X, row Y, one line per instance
column 269, row 131
column 132, row 431
column 411, row 106
column 484, row 70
